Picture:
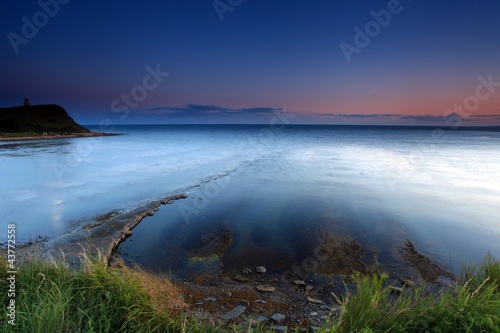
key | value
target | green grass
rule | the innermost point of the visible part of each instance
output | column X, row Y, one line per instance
column 98, row 298
column 473, row 306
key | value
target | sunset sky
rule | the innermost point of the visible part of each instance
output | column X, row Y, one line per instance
column 233, row 61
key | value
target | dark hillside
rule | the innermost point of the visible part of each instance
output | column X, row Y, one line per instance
column 39, row 119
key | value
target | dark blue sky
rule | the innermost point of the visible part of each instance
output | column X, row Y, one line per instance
column 433, row 59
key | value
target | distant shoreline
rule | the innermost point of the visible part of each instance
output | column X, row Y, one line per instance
column 46, row 137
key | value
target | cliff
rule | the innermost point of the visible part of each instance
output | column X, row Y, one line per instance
column 38, row 119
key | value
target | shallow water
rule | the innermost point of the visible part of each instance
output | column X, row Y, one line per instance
column 281, row 189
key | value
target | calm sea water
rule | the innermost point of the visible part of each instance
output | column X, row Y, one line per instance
column 379, row 185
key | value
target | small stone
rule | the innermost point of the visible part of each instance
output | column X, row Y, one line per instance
column 278, row 317
column 199, row 303
column 240, row 278
column 247, row 270
column 299, row 283
column 209, row 299
column 314, row 301
column 445, row 281
column 261, row 319
column 279, row 328
column 408, row 283
column 261, row 301
column 313, row 314
column 396, row 290
column 309, row 287
column 260, row 269
column 265, row 288
column 236, row 312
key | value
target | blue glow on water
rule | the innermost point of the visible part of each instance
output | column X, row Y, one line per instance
column 442, row 190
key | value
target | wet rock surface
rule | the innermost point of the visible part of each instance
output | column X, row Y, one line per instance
column 428, row 270
column 98, row 237
column 216, row 291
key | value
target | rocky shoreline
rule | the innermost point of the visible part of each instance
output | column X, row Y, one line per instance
column 220, row 295
column 290, row 299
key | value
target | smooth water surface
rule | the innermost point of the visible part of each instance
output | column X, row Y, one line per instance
column 440, row 189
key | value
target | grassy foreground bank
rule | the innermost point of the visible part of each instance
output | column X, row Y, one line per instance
column 96, row 298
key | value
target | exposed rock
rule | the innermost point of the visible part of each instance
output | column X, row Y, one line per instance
column 428, row 270
column 396, row 290
column 278, row 317
column 279, row 328
column 327, row 308
column 247, row 270
column 235, row 313
column 445, row 281
column 260, row 269
column 240, row 278
column 299, row 283
column 261, row 301
column 209, row 299
column 266, row 288
column 408, row 283
column 261, row 319
column 313, row 314
column 309, row 287
column 314, row 301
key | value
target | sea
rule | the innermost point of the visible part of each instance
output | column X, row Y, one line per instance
column 272, row 190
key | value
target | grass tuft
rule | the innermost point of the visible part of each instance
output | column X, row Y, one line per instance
column 97, row 298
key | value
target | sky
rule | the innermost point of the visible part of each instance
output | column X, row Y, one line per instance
column 408, row 62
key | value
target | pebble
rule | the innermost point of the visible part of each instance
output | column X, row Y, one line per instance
column 236, row 312
column 396, row 290
column 313, row 314
column 261, row 319
column 299, row 283
column 261, row 301
column 247, row 270
column 314, row 301
column 209, row 299
column 265, row 288
column 240, row 278
column 278, row 317
column 260, row 269
column 279, row 328
column 309, row 287
column 408, row 283
column 445, row 281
